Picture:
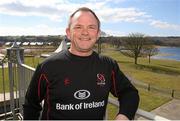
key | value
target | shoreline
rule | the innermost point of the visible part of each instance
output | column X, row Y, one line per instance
column 169, row 59
column 158, row 46
column 167, row 55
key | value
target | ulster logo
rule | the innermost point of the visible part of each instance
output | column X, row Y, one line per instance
column 100, row 79
column 82, row 94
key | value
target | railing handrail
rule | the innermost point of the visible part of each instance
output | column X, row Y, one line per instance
column 28, row 67
column 22, row 64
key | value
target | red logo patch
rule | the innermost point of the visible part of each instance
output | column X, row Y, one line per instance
column 101, row 79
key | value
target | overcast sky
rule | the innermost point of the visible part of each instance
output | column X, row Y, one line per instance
column 118, row 17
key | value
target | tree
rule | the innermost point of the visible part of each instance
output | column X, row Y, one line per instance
column 149, row 51
column 133, row 45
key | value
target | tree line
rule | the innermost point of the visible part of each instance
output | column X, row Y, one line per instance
column 135, row 45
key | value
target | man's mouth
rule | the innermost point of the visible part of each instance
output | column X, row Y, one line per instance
column 85, row 39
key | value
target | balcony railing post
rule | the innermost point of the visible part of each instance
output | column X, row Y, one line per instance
column 14, row 53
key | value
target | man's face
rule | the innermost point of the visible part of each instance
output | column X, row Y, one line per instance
column 83, row 31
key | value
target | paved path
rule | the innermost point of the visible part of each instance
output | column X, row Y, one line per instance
column 170, row 110
column 7, row 96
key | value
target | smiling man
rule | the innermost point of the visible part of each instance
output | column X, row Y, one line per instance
column 83, row 31
column 75, row 83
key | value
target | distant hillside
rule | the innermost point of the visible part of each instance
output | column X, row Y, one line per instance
column 161, row 41
column 166, row 41
column 45, row 39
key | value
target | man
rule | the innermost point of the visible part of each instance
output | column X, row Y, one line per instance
column 75, row 83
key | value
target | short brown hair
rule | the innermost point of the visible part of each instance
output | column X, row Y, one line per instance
column 85, row 9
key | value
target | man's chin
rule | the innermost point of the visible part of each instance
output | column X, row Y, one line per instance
column 85, row 49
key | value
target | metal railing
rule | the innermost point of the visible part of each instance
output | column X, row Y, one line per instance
column 19, row 77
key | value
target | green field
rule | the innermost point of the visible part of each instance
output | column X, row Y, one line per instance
column 164, row 74
column 161, row 73
column 33, row 61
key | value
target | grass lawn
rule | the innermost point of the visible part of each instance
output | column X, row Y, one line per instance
column 163, row 74
column 33, row 61
column 6, row 82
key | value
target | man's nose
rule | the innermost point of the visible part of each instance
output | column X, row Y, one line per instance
column 85, row 31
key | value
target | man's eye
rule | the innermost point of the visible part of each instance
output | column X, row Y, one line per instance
column 92, row 27
column 77, row 27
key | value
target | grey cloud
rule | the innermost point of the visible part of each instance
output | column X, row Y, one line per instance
column 21, row 9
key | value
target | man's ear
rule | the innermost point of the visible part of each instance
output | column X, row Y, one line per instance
column 68, row 33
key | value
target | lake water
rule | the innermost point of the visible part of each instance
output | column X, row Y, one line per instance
column 172, row 53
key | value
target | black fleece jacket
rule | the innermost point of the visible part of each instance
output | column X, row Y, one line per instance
column 75, row 87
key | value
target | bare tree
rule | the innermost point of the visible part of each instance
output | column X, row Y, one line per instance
column 149, row 51
column 133, row 45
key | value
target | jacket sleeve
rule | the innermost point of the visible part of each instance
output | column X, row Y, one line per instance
column 123, row 89
column 34, row 96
